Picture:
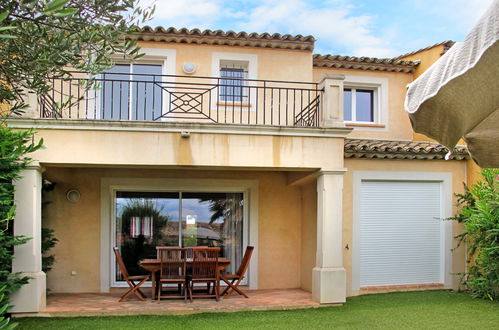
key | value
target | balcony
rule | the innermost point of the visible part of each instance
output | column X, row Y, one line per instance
column 169, row 98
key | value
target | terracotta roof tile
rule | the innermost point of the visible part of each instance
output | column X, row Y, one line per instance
column 364, row 63
column 383, row 149
column 228, row 38
column 447, row 44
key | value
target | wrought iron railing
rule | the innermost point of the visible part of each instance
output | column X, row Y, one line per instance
column 118, row 96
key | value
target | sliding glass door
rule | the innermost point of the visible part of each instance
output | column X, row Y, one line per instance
column 144, row 220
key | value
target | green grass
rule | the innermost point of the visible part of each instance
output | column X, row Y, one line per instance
column 408, row 310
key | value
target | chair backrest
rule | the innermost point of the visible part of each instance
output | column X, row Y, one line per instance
column 205, row 262
column 243, row 267
column 121, row 264
column 173, row 262
column 189, row 250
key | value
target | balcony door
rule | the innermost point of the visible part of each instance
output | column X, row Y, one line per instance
column 144, row 220
column 131, row 92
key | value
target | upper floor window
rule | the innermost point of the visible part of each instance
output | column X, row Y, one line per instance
column 129, row 92
column 359, row 104
column 232, row 83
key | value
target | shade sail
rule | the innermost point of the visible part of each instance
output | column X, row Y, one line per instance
column 458, row 96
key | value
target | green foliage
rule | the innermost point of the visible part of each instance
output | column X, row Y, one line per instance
column 48, row 238
column 41, row 40
column 48, row 242
column 5, row 323
column 480, row 218
column 14, row 146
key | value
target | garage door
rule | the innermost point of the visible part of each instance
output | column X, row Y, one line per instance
column 400, row 240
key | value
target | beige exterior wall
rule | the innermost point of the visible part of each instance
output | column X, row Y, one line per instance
column 273, row 64
column 308, row 233
column 427, row 58
column 398, row 126
column 456, row 168
column 157, row 147
column 77, row 225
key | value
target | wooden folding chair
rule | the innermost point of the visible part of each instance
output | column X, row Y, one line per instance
column 173, row 270
column 233, row 280
column 134, row 287
column 205, row 270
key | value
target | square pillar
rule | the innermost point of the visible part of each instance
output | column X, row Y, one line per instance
column 332, row 109
column 28, row 256
column 328, row 275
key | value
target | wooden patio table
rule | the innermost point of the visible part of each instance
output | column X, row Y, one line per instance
column 153, row 266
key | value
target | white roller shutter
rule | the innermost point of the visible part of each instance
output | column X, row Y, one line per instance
column 400, row 241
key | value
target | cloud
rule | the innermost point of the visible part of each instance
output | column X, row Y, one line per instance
column 202, row 14
column 335, row 26
column 341, row 26
column 332, row 22
column 458, row 15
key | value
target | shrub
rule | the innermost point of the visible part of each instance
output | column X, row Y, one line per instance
column 480, row 218
column 14, row 145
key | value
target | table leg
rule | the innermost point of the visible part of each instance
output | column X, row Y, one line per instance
column 153, row 285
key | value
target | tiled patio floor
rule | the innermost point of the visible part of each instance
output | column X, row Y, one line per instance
column 92, row 304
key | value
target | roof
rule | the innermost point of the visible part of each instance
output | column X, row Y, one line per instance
column 382, row 149
column 364, row 63
column 447, row 44
column 227, row 38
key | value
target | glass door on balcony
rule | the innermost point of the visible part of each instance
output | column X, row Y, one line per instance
column 131, row 92
column 144, row 220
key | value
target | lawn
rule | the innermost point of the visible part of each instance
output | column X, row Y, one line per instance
column 408, row 310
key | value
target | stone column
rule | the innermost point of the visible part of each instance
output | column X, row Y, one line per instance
column 332, row 109
column 28, row 257
column 328, row 275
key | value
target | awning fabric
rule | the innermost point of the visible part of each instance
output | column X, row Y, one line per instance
column 458, row 96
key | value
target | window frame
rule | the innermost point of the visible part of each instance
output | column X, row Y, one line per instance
column 218, row 60
column 167, row 58
column 380, row 101
column 374, row 103
column 243, row 68
column 216, row 189
column 131, row 101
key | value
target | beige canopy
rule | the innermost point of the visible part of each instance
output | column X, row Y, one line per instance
column 458, row 96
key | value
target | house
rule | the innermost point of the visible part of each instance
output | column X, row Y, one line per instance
column 235, row 139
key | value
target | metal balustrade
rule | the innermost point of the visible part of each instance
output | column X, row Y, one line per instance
column 141, row 97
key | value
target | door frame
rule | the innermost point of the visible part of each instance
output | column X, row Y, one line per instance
column 109, row 186
column 445, row 180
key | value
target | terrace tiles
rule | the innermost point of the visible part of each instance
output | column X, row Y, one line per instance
column 106, row 304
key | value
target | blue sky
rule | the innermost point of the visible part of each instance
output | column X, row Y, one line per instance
column 360, row 28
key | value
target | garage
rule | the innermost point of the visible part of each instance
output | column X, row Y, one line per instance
column 400, row 232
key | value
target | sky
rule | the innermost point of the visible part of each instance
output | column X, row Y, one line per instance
column 357, row 28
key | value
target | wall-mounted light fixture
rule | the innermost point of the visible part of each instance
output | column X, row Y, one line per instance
column 189, row 68
column 73, row 195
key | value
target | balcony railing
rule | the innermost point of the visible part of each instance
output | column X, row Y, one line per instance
column 141, row 97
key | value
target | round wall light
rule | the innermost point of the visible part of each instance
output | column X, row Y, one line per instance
column 189, row 68
column 73, row 195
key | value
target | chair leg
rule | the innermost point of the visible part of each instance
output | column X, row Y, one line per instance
column 233, row 286
column 134, row 288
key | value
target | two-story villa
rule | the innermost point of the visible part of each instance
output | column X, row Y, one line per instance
column 235, row 139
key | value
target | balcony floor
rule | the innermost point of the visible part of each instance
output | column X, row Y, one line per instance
column 106, row 304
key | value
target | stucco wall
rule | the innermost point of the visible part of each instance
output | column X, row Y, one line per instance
column 273, row 64
column 398, row 126
column 426, row 57
column 456, row 168
column 308, row 233
column 77, row 226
